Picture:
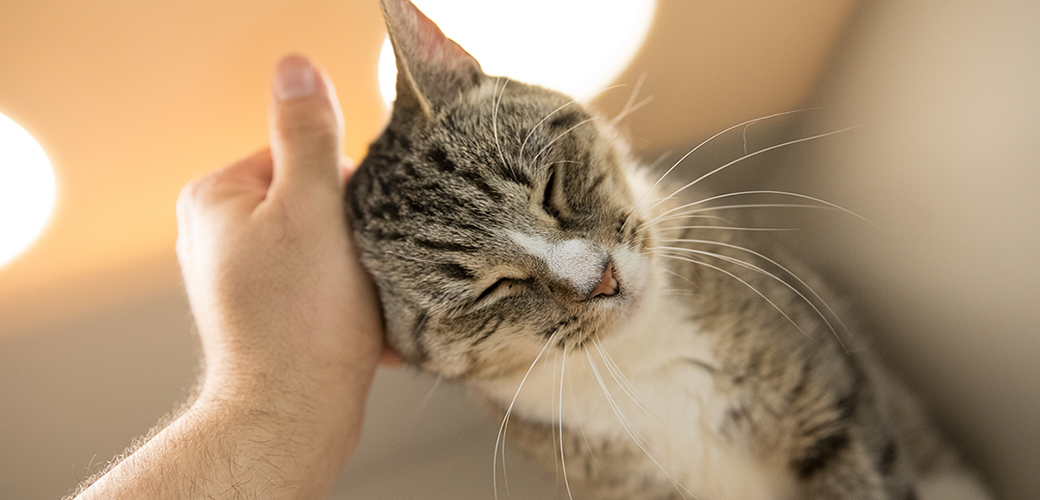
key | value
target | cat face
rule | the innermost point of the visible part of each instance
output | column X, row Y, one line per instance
column 495, row 217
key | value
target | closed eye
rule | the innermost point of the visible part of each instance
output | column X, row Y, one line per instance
column 547, row 200
column 501, row 287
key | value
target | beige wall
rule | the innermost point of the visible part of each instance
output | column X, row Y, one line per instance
column 947, row 162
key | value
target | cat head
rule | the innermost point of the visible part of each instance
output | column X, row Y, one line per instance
column 496, row 218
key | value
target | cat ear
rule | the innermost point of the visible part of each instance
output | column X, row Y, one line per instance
column 431, row 68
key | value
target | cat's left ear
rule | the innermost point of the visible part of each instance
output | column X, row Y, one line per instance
column 431, row 68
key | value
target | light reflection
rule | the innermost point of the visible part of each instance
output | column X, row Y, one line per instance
column 27, row 189
column 574, row 46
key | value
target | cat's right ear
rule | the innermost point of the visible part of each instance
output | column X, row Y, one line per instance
column 431, row 68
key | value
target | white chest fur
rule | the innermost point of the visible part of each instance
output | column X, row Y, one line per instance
column 648, row 387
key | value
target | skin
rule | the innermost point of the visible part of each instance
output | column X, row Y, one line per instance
column 289, row 323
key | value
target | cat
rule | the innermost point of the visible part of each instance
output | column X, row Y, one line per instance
column 620, row 330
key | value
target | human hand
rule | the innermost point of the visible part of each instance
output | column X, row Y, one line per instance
column 289, row 320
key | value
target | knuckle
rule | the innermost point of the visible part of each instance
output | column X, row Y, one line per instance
column 195, row 193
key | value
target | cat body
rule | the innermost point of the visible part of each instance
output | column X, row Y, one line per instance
column 642, row 347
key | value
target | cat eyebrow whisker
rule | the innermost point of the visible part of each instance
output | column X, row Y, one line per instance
column 629, row 107
column 505, row 420
column 523, row 145
column 635, row 92
column 553, row 112
column 690, row 152
column 494, row 123
column 565, row 132
column 627, row 426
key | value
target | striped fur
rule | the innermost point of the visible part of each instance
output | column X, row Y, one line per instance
column 487, row 211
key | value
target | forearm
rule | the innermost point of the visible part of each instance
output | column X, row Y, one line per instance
column 221, row 449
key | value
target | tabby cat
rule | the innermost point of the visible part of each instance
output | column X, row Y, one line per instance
column 621, row 331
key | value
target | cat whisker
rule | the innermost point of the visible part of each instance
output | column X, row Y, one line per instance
column 625, row 113
column 558, row 137
column 581, row 427
column 677, row 275
column 748, row 265
column 505, row 420
column 429, row 394
column 688, row 214
column 746, row 156
column 684, row 258
column 631, row 433
column 685, row 216
column 520, row 161
column 690, row 152
column 563, row 461
column 494, row 123
column 629, row 107
column 790, row 273
column 765, row 192
column 630, row 391
column 728, row 228
column 631, row 97
column 552, row 411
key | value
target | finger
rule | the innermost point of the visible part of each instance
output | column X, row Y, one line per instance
column 250, row 175
column 305, row 127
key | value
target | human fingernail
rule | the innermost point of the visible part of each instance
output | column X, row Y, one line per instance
column 294, row 77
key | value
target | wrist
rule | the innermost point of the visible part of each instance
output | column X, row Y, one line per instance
column 276, row 440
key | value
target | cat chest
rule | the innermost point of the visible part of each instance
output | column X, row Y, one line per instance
column 655, row 401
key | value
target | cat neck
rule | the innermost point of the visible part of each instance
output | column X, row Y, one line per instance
column 637, row 357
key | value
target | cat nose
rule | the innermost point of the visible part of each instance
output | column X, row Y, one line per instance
column 608, row 285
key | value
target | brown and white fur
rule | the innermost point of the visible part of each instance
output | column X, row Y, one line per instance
column 618, row 327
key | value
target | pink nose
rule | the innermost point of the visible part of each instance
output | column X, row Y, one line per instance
column 608, row 285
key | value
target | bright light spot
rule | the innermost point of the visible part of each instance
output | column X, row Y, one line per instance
column 26, row 189
column 575, row 46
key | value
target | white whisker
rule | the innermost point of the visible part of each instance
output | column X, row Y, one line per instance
column 631, row 391
column 773, row 276
column 520, row 161
column 563, row 461
column 565, row 132
column 631, row 432
column 750, row 155
column 766, row 192
column 684, row 215
column 552, row 410
column 505, row 420
column 430, row 393
column 690, row 152
column 728, row 228
column 745, row 283
column 494, row 123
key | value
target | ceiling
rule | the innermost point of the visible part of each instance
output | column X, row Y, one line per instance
column 133, row 99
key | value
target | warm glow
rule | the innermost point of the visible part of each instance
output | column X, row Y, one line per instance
column 580, row 48
column 26, row 189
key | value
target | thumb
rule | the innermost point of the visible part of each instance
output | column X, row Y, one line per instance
column 305, row 125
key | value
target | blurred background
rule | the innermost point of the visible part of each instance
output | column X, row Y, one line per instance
column 130, row 100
